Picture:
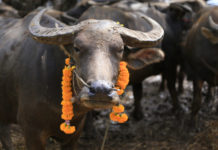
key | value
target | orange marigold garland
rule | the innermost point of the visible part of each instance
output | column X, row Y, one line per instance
column 123, row 78
column 122, row 81
column 118, row 115
column 67, row 105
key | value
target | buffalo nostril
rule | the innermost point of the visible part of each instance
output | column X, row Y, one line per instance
column 92, row 90
column 89, row 83
column 100, row 87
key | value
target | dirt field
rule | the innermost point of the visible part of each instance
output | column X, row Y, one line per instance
column 159, row 130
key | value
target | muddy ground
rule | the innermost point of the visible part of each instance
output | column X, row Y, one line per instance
column 159, row 130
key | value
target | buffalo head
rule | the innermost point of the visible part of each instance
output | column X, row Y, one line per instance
column 97, row 47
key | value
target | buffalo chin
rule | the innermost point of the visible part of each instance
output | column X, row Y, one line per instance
column 98, row 100
column 98, row 104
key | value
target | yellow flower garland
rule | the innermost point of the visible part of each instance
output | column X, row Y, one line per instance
column 67, row 105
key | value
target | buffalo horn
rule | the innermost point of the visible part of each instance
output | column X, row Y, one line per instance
column 143, row 39
column 213, row 25
column 59, row 35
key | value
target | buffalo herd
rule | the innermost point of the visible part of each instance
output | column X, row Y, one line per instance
column 153, row 37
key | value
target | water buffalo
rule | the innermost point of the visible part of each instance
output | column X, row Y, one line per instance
column 30, row 72
column 176, row 19
column 82, row 6
column 26, row 6
column 200, row 54
column 171, row 19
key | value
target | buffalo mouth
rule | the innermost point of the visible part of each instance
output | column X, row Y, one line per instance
column 98, row 101
column 98, row 104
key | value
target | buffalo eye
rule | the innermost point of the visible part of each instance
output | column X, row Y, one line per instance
column 76, row 49
column 120, row 50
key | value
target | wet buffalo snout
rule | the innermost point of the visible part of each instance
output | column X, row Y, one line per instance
column 99, row 94
column 100, row 87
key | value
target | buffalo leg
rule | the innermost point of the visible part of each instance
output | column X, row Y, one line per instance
column 34, row 139
column 181, row 79
column 209, row 94
column 137, row 92
column 5, row 137
column 171, row 81
column 197, row 98
column 162, row 84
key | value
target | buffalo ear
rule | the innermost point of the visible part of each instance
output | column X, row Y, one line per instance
column 207, row 33
column 144, row 57
column 178, row 11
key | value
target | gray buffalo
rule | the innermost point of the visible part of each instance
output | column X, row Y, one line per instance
column 31, row 70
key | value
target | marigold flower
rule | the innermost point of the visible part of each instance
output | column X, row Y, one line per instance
column 119, row 91
column 67, row 117
column 67, row 74
column 66, row 103
column 66, row 78
column 70, row 130
column 118, row 109
column 118, row 117
column 123, row 118
column 65, row 83
column 114, row 116
column 67, row 71
column 123, row 63
column 67, row 128
column 67, row 61
column 67, row 97
column 66, row 110
column 68, row 106
column 122, row 84
column 123, row 78
column 66, row 88
column 66, row 94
